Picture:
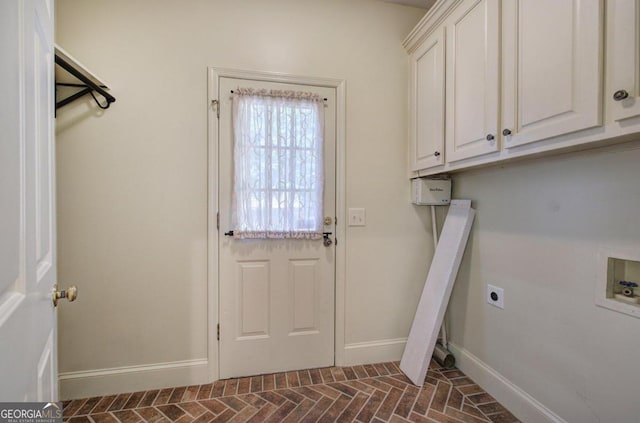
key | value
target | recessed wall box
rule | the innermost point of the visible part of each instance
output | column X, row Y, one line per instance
column 430, row 192
column 618, row 283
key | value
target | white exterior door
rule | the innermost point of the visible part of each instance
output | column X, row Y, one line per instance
column 28, row 362
column 276, row 304
column 551, row 68
column 472, row 79
column 426, row 127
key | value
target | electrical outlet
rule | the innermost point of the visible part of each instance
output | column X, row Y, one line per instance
column 495, row 296
column 356, row 217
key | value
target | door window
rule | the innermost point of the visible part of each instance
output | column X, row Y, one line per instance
column 278, row 164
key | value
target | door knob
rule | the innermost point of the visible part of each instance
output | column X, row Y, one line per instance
column 436, row 153
column 506, row 132
column 490, row 137
column 70, row 294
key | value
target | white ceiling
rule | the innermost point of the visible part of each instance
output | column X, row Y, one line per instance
column 425, row 4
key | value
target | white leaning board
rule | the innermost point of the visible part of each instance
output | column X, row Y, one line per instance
column 437, row 290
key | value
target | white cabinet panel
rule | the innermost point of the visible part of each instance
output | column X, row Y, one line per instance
column 551, row 68
column 427, row 103
column 472, row 32
column 623, row 58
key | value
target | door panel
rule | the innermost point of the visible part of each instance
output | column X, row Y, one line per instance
column 254, row 301
column 551, row 78
column 427, row 111
column 43, row 135
column 472, row 80
column 623, row 57
column 276, row 296
column 47, row 375
column 12, row 184
column 543, row 97
column 304, row 283
column 27, row 222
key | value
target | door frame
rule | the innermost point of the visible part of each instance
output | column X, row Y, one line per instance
column 214, row 75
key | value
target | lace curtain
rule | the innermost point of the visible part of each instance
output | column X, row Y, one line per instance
column 278, row 164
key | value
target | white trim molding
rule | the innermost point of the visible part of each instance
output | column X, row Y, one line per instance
column 515, row 399
column 214, row 75
column 137, row 378
column 374, row 351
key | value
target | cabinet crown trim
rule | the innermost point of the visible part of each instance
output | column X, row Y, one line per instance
column 429, row 23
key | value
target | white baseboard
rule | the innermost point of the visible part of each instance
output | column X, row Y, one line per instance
column 132, row 378
column 520, row 403
column 374, row 351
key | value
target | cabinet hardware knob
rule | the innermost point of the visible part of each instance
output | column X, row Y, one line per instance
column 490, row 137
column 437, row 153
column 620, row 95
column 506, row 132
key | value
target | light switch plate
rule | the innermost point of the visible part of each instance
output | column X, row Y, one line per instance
column 357, row 217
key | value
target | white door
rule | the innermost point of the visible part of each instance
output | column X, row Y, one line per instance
column 623, row 58
column 551, row 68
column 276, row 296
column 472, row 79
column 28, row 365
column 426, row 127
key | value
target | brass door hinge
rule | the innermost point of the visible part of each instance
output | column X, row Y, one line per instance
column 218, row 331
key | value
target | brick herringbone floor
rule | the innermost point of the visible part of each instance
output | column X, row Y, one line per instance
column 369, row 393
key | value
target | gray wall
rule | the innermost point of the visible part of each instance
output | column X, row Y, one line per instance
column 537, row 232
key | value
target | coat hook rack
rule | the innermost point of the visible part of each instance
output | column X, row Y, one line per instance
column 89, row 83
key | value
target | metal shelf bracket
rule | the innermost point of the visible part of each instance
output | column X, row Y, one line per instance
column 89, row 83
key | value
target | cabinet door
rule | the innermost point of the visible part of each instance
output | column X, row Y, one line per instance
column 472, row 79
column 551, row 68
column 426, row 127
column 623, row 58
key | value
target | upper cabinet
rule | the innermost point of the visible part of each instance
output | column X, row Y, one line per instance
column 472, row 79
column 426, row 93
column 623, row 59
column 551, row 68
column 521, row 77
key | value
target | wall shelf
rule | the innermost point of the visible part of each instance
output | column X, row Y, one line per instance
column 78, row 76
